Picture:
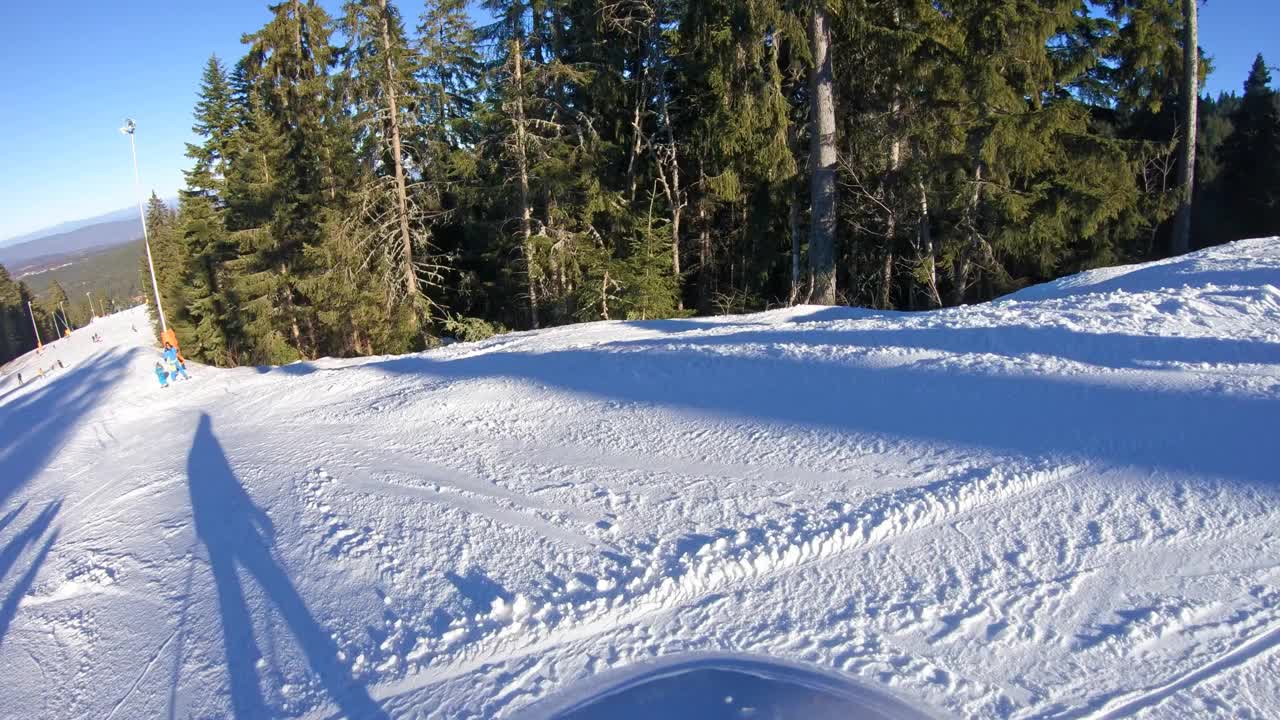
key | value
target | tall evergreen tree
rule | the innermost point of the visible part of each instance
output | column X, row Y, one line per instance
column 381, row 68
column 13, row 335
column 306, row 167
column 210, row 316
column 215, row 121
column 1250, row 158
column 169, row 261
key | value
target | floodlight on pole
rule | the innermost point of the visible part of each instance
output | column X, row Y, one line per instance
column 32, row 313
column 128, row 129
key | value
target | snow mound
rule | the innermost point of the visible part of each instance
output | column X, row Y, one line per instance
column 1059, row 504
column 1246, row 263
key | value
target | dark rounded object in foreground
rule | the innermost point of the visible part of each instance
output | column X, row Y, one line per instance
column 722, row 688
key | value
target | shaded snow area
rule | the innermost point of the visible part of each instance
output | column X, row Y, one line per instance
column 1062, row 504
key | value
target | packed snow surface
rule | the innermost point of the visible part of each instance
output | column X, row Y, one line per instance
column 1061, row 504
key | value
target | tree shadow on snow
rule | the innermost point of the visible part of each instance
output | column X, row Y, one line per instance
column 14, row 549
column 238, row 536
column 9, row 517
column 300, row 368
column 35, row 426
column 1030, row 415
column 1110, row 350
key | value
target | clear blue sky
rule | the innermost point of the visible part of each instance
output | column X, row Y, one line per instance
column 70, row 72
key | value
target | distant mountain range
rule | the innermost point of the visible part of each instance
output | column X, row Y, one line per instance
column 16, row 258
column 66, row 227
column 76, row 237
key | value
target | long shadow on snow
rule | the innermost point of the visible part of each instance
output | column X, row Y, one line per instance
column 1112, row 350
column 30, row 535
column 35, row 426
column 10, row 516
column 238, row 536
column 1029, row 415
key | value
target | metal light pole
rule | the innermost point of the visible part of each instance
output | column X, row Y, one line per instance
column 128, row 129
column 65, row 324
column 32, row 313
column 92, row 312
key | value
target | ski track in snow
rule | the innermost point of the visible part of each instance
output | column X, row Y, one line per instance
column 1061, row 504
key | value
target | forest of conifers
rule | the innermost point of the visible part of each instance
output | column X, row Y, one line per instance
column 370, row 182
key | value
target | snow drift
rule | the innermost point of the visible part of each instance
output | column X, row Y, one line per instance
column 1059, row 504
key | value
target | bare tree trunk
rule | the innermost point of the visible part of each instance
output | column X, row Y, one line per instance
column 925, row 253
column 891, row 223
column 1190, row 101
column 704, row 259
column 822, row 226
column 522, row 160
column 406, row 240
column 963, row 260
column 794, row 220
column 886, row 282
column 637, row 143
column 887, row 186
column 669, row 166
column 604, row 295
column 290, row 314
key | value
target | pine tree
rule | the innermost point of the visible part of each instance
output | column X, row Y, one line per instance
column 210, row 314
column 13, row 337
column 1250, row 157
column 449, row 72
column 380, row 69
column 306, row 166
column 168, row 260
column 743, row 118
column 534, row 139
column 215, row 121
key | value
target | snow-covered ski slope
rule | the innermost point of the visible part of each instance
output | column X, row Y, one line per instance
column 1062, row 504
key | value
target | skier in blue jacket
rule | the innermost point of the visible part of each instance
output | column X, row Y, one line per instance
column 162, row 376
column 173, row 362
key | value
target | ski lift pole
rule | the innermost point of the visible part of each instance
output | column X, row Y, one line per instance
column 65, row 323
column 128, row 129
column 32, row 313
